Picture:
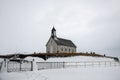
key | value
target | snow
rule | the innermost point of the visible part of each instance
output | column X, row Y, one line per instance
column 1, row 60
column 37, row 59
column 93, row 73
column 67, row 59
column 70, row 59
column 78, row 59
column 69, row 73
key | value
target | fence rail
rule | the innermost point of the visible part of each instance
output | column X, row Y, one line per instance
column 28, row 66
column 50, row 65
column 54, row 65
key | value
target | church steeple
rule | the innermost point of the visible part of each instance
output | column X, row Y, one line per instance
column 53, row 32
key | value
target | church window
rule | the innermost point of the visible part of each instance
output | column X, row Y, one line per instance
column 65, row 49
column 62, row 49
column 72, row 50
column 69, row 50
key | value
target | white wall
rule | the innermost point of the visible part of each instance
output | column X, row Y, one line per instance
column 66, row 49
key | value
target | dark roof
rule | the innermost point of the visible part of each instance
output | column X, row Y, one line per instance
column 65, row 42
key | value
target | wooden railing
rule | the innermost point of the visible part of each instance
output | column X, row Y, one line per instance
column 28, row 66
column 55, row 65
column 50, row 65
column 19, row 66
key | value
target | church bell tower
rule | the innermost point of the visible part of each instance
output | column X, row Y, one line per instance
column 53, row 32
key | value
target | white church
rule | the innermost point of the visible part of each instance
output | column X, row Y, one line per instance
column 59, row 45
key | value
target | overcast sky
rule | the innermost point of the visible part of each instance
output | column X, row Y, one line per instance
column 93, row 25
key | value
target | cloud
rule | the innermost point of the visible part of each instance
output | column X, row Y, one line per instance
column 93, row 25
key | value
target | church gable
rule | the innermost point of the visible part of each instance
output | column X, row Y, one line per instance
column 51, row 46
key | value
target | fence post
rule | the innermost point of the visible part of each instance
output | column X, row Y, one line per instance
column 99, row 63
column 93, row 64
column 20, row 66
column 4, row 66
column 76, row 64
column 110, row 63
column 31, row 66
column 85, row 64
column 34, row 66
column 105, row 63
column 63, row 64
column 115, row 64
column 51, row 65
column 58, row 64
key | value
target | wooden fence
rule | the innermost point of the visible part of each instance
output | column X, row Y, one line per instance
column 13, row 66
column 19, row 66
column 50, row 65
column 55, row 65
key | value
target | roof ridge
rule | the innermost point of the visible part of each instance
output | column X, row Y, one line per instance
column 64, row 39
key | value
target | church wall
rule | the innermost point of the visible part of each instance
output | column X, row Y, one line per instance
column 66, row 49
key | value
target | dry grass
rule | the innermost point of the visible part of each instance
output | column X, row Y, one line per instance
column 49, row 55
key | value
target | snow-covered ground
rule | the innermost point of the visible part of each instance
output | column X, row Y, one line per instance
column 37, row 59
column 93, row 73
column 76, row 73
column 1, row 59
column 70, row 59
column 78, row 59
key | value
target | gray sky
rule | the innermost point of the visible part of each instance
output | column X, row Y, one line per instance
column 93, row 25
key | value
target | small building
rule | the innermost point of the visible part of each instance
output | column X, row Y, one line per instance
column 59, row 45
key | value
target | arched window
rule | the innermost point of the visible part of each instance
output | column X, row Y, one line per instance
column 69, row 49
column 72, row 50
column 65, row 49
column 62, row 49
